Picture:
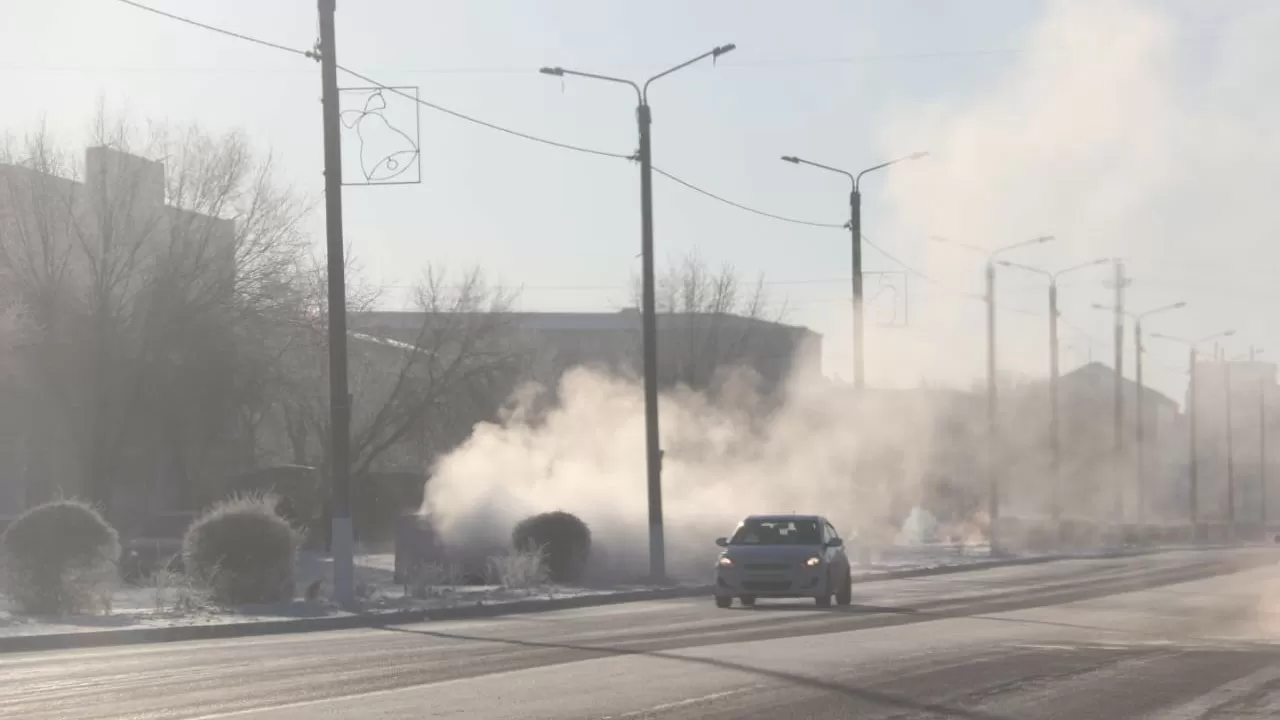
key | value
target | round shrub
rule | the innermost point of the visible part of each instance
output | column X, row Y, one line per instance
column 59, row 557
column 565, row 541
column 243, row 551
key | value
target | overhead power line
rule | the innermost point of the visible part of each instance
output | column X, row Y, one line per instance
column 740, row 206
column 211, row 28
column 384, row 86
column 565, row 146
column 485, row 123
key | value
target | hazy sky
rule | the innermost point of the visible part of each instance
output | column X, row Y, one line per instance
column 1140, row 129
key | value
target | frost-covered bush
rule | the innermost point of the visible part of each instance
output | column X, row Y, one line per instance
column 59, row 557
column 243, row 551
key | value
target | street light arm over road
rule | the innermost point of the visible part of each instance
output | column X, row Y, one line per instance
column 801, row 161
column 1028, row 268
column 857, row 181
column 1081, row 266
column 713, row 53
column 561, row 72
column 1024, row 243
column 1193, row 344
column 990, row 255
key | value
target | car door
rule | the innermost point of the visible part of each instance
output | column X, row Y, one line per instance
column 837, row 556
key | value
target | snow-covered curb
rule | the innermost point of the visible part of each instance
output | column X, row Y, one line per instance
column 138, row 625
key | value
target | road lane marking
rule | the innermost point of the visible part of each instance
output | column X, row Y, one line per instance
column 1203, row 705
column 677, row 704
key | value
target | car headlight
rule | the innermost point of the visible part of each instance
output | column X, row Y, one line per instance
column 814, row 561
column 725, row 561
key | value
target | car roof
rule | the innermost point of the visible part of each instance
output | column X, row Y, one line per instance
column 785, row 516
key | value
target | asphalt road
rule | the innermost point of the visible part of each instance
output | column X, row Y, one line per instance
column 1170, row 636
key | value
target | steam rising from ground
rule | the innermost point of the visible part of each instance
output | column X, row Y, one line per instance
column 1124, row 129
column 725, row 458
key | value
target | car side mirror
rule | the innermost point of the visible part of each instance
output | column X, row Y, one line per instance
column 835, row 543
column 722, row 542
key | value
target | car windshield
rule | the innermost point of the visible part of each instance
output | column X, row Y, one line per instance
column 776, row 531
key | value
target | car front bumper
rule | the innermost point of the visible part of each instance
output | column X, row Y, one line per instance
column 801, row 581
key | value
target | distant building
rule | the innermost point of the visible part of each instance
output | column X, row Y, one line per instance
column 113, row 224
column 1096, row 483
column 691, row 347
column 1250, row 387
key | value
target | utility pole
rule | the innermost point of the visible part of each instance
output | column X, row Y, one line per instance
column 1193, row 454
column 653, row 442
column 1139, row 405
column 1118, row 421
column 1231, row 460
column 1055, row 441
column 1262, row 450
column 649, row 327
column 1193, row 404
column 859, row 331
column 1139, row 439
column 342, row 539
column 855, row 237
column 993, row 429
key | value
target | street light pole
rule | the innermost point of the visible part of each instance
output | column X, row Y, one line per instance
column 1231, row 459
column 1262, row 451
column 653, row 446
column 993, row 426
column 1140, row 477
column 855, row 239
column 1055, row 431
column 1055, row 434
column 1193, row 453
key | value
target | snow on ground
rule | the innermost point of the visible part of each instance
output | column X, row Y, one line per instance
column 174, row 604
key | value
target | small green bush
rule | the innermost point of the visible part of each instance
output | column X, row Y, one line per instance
column 243, row 551
column 565, row 541
column 59, row 557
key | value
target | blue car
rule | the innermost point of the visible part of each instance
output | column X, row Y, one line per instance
column 783, row 556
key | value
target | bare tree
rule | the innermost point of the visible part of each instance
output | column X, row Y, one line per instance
column 711, row 320
column 147, row 285
column 418, row 384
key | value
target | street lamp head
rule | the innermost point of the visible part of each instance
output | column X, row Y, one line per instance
column 1177, row 306
column 557, row 71
column 918, row 155
column 1044, row 239
column 1229, row 333
column 723, row 49
column 1100, row 306
column 791, row 159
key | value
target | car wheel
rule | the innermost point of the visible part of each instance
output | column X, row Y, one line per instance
column 844, row 593
column 724, row 601
column 748, row 600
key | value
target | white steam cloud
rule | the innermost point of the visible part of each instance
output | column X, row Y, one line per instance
column 1123, row 130
column 724, row 459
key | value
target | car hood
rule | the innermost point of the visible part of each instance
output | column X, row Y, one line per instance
column 772, row 553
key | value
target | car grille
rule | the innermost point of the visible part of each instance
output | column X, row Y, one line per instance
column 767, row 585
column 766, row 567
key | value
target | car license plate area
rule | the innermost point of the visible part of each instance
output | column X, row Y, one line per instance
column 767, row 585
